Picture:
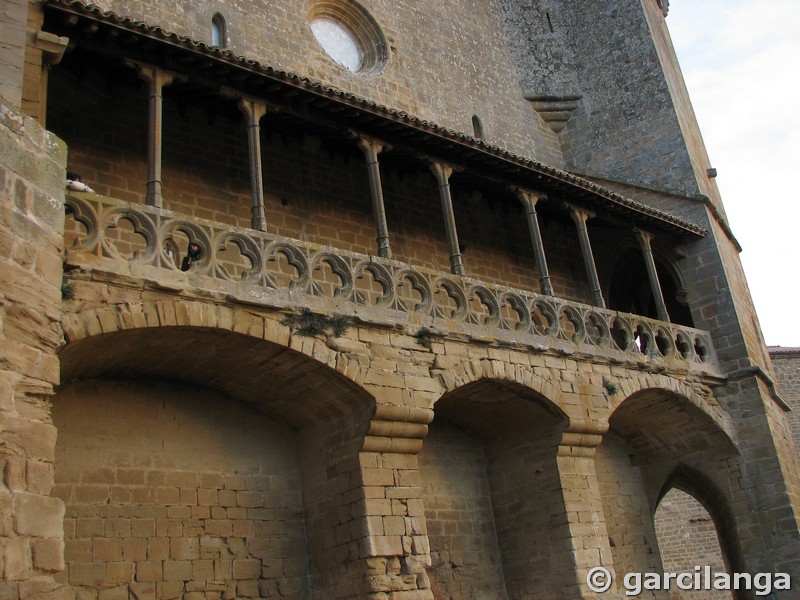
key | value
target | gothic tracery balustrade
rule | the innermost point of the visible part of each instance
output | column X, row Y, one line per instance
column 260, row 268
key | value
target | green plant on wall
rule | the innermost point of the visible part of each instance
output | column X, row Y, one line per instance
column 609, row 386
column 423, row 337
column 308, row 323
column 67, row 289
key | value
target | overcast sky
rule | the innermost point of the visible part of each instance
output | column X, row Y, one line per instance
column 741, row 62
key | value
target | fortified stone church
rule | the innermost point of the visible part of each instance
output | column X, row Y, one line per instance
column 381, row 300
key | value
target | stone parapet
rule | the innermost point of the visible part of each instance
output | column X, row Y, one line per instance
column 274, row 271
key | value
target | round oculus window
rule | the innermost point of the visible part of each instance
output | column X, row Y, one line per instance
column 349, row 35
column 338, row 43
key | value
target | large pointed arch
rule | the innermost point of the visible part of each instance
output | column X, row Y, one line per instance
column 492, row 488
column 178, row 387
column 705, row 491
column 232, row 350
column 651, row 431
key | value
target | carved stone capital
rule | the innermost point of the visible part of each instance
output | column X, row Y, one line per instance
column 254, row 110
column 441, row 171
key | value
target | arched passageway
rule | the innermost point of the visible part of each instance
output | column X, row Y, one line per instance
column 688, row 538
column 654, row 434
column 201, row 460
column 492, row 492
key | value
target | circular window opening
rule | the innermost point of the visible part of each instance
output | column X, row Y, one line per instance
column 349, row 35
column 338, row 42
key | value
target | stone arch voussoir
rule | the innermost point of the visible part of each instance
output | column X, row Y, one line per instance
column 474, row 386
column 474, row 370
column 700, row 399
column 207, row 315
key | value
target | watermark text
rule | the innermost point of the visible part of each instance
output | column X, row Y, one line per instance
column 600, row 579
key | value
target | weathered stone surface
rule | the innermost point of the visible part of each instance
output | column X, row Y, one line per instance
column 38, row 516
column 444, row 445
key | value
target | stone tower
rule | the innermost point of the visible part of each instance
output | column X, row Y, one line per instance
column 377, row 300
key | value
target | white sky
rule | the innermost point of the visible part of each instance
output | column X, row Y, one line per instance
column 741, row 62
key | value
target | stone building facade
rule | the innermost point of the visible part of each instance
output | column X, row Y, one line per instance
column 385, row 300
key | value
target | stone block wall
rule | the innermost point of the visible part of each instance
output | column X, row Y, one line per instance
column 13, row 21
column 786, row 362
column 175, row 492
column 630, row 528
column 465, row 557
column 31, row 245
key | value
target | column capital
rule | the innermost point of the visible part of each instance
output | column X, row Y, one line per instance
column 529, row 198
column 579, row 213
column 152, row 75
column 644, row 237
column 442, row 171
column 369, row 145
column 253, row 109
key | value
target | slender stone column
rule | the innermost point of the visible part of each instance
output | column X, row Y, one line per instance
column 371, row 149
column 649, row 262
column 156, row 79
column 580, row 217
column 529, row 200
column 255, row 110
column 442, row 174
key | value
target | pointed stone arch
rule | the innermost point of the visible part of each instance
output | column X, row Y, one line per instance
column 657, row 424
column 703, row 489
column 642, row 384
column 502, row 372
column 308, row 396
column 125, row 338
column 491, row 460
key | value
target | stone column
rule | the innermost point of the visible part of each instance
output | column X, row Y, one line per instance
column 156, row 80
column 580, row 216
column 529, row 200
column 371, row 149
column 442, row 173
column 395, row 541
column 652, row 274
column 254, row 111
column 583, row 507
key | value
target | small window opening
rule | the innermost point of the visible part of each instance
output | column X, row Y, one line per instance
column 477, row 127
column 219, row 36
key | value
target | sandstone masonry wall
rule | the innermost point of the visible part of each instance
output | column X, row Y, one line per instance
column 31, row 245
column 787, row 371
column 175, row 492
